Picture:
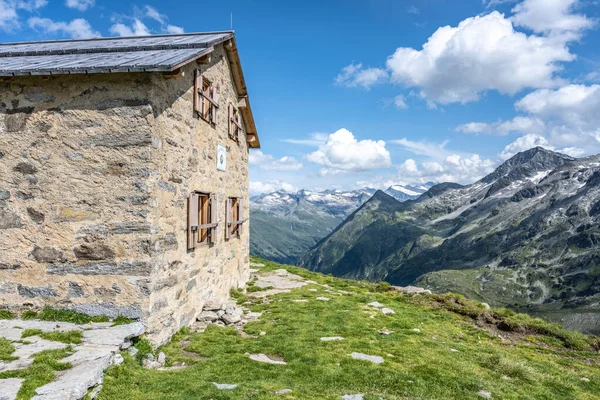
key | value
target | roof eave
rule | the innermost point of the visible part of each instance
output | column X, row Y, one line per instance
column 240, row 84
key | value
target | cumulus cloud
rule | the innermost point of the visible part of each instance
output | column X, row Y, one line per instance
column 9, row 12
column 354, row 75
column 343, row 153
column 140, row 24
column 523, row 143
column 257, row 187
column 458, row 64
column 545, row 16
column 77, row 29
column 174, row 29
column 137, row 28
column 266, row 161
column 454, row 168
column 441, row 165
column 570, row 114
column 80, row 5
column 575, row 104
column 482, row 53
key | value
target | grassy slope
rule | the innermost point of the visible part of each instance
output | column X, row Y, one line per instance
column 532, row 366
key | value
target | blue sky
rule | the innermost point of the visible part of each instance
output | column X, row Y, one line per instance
column 369, row 93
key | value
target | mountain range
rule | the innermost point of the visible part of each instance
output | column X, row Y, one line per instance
column 526, row 236
column 286, row 225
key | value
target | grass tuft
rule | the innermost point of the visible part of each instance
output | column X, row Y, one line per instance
column 58, row 314
column 6, row 350
column 74, row 337
column 121, row 320
column 42, row 371
column 5, row 314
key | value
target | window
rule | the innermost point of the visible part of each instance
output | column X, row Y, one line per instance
column 206, row 98
column 235, row 124
column 235, row 217
column 202, row 219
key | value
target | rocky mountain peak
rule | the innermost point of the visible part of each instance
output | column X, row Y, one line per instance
column 527, row 164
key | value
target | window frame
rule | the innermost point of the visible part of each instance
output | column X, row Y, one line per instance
column 234, row 217
column 235, row 123
column 202, row 219
column 206, row 98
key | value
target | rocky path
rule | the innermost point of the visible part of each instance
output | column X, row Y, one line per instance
column 100, row 346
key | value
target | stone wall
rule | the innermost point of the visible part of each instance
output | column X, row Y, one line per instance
column 95, row 171
column 184, row 280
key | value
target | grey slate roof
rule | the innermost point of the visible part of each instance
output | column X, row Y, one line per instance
column 161, row 53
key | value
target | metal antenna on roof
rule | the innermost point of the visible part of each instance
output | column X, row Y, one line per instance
column 231, row 21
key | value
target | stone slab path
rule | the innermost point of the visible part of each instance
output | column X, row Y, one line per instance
column 99, row 349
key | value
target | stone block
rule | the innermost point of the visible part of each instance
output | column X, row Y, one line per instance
column 10, row 220
column 39, row 291
column 35, row 215
column 94, row 251
column 125, row 228
column 116, row 140
column 131, row 268
column 47, row 254
column 25, row 168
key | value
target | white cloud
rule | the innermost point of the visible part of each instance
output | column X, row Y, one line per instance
column 517, row 124
column 9, row 16
column 441, row 164
column 153, row 13
column 78, row 28
column 454, row 168
column 266, row 161
column 573, row 151
column 316, row 140
column 412, row 10
column 138, row 28
column 174, row 29
column 570, row 113
column 354, row 75
column 80, row 5
column 257, row 187
column 400, row 102
column 424, row 148
column 545, row 16
column 523, row 143
column 475, row 127
column 482, row 53
column 143, row 23
column 343, row 153
column 575, row 104
column 459, row 64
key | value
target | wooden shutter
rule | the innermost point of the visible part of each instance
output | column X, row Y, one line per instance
column 197, row 88
column 228, row 219
column 241, row 215
column 230, row 120
column 203, row 233
column 192, row 220
column 215, row 97
column 213, row 218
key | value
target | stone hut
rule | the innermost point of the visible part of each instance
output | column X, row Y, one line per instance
column 124, row 176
